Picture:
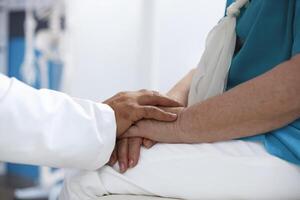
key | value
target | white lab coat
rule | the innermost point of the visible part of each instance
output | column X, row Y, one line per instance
column 45, row 127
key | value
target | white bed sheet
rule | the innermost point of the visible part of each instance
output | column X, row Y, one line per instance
column 132, row 197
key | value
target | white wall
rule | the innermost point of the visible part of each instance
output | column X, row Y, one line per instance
column 119, row 45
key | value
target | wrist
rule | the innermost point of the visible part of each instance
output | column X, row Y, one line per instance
column 116, row 118
column 179, row 127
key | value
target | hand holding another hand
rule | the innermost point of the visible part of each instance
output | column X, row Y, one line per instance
column 127, row 150
column 131, row 107
column 165, row 132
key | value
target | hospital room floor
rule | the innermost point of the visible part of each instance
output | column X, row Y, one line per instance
column 7, row 187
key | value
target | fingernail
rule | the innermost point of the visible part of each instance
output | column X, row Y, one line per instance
column 111, row 161
column 174, row 115
column 122, row 167
column 131, row 163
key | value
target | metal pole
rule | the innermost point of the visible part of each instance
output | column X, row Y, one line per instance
column 3, row 35
column 3, row 49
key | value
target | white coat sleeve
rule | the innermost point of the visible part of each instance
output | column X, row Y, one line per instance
column 49, row 128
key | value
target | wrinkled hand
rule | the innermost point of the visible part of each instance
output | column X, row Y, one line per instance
column 165, row 132
column 127, row 152
column 131, row 107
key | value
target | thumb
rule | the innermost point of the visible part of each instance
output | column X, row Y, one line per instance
column 133, row 131
column 148, row 143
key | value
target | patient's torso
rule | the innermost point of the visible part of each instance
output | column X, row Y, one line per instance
column 269, row 34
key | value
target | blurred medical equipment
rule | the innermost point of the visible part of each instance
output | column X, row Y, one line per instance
column 43, row 51
column 3, row 36
column 49, row 185
column 28, row 66
column 3, row 50
column 49, row 42
column 2, row 169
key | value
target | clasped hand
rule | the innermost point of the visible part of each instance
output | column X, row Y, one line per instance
column 143, row 118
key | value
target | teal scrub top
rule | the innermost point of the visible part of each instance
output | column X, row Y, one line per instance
column 268, row 34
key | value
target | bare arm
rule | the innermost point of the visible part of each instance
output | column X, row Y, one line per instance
column 180, row 91
column 265, row 103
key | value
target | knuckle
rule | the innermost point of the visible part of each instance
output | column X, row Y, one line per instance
column 135, row 141
column 154, row 111
column 143, row 90
column 155, row 93
column 151, row 93
column 132, row 106
column 122, row 158
column 121, row 94
column 122, row 145
column 133, row 156
column 148, row 93
column 122, row 155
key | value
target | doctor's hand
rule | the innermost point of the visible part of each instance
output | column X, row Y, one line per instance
column 131, row 107
column 127, row 152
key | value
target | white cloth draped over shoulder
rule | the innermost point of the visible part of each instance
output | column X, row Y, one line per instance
column 211, row 74
column 44, row 127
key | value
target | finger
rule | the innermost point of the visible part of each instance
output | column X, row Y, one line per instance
column 134, row 147
column 122, row 153
column 156, row 99
column 175, row 110
column 133, row 131
column 148, row 143
column 152, row 112
column 113, row 158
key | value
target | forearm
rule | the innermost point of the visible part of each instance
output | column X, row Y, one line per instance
column 265, row 103
column 181, row 90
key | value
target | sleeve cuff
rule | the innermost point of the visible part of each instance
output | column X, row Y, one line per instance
column 108, row 134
